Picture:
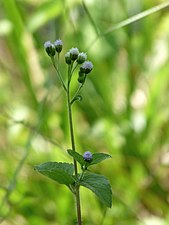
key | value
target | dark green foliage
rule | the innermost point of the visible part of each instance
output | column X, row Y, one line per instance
column 99, row 185
column 60, row 172
column 99, row 157
column 76, row 156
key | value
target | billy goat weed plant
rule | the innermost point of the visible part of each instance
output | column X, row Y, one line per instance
column 67, row 173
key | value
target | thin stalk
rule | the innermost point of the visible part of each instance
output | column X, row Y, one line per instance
column 77, row 92
column 74, row 68
column 77, row 191
column 71, row 127
column 59, row 75
column 69, row 105
column 71, row 70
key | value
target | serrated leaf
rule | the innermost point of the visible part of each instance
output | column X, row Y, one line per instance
column 99, row 157
column 99, row 185
column 60, row 172
column 76, row 156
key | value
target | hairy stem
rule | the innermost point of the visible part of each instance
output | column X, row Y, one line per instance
column 77, row 191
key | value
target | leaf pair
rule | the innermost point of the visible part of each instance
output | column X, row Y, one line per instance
column 96, row 158
column 63, row 173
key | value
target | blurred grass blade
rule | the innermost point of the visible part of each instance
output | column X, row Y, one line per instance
column 16, row 41
column 90, row 17
column 48, row 11
column 137, row 17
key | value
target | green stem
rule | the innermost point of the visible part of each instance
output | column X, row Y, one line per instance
column 76, row 94
column 74, row 68
column 77, row 191
column 82, row 175
column 59, row 75
column 71, row 70
column 71, row 126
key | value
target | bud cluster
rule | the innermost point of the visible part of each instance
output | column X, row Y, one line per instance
column 86, row 66
column 73, row 55
column 51, row 48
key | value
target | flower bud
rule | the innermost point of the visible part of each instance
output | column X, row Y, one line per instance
column 50, row 48
column 81, row 79
column 58, row 45
column 86, row 67
column 81, row 74
column 67, row 58
column 81, row 57
column 74, row 52
column 87, row 156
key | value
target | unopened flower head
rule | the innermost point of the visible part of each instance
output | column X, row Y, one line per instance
column 81, row 57
column 50, row 48
column 58, row 45
column 87, row 156
column 67, row 58
column 86, row 67
column 81, row 77
column 74, row 52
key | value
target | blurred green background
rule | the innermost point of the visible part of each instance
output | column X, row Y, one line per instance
column 124, row 112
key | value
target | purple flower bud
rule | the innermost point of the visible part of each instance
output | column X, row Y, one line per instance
column 81, row 57
column 86, row 67
column 58, row 45
column 87, row 156
column 74, row 52
column 50, row 48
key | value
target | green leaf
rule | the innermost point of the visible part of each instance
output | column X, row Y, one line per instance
column 99, row 157
column 76, row 156
column 99, row 185
column 60, row 172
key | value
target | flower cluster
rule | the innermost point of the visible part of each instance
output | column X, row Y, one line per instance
column 86, row 66
column 73, row 55
column 51, row 48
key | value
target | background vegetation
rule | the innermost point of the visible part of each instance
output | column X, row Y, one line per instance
column 124, row 111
